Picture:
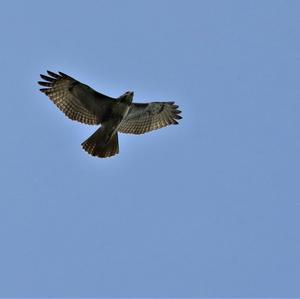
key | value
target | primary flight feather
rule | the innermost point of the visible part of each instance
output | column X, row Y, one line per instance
column 82, row 103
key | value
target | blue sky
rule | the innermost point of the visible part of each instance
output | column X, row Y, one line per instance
column 209, row 208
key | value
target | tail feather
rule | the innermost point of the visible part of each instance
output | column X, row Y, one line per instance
column 96, row 144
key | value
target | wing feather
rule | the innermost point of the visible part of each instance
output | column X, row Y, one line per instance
column 147, row 117
column 76, row 100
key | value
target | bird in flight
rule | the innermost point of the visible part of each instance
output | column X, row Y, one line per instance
column 80, row 102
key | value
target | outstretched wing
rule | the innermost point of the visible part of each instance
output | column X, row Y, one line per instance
column 76, row 100
column 143, row 118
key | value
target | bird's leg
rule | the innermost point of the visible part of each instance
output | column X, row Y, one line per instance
column 109, row 133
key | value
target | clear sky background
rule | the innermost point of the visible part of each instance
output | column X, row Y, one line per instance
column 207, row 208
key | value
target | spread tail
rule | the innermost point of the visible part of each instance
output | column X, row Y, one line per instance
column 97, row 145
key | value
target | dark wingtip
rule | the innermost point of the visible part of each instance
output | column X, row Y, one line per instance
column 56, row 76
column 48, row 84
column 66, row 76
column 63, row 74
column 49, row 79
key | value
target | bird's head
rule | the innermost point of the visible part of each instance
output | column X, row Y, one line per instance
column 127, row 97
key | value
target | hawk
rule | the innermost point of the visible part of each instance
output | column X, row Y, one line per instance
column 80, row 102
